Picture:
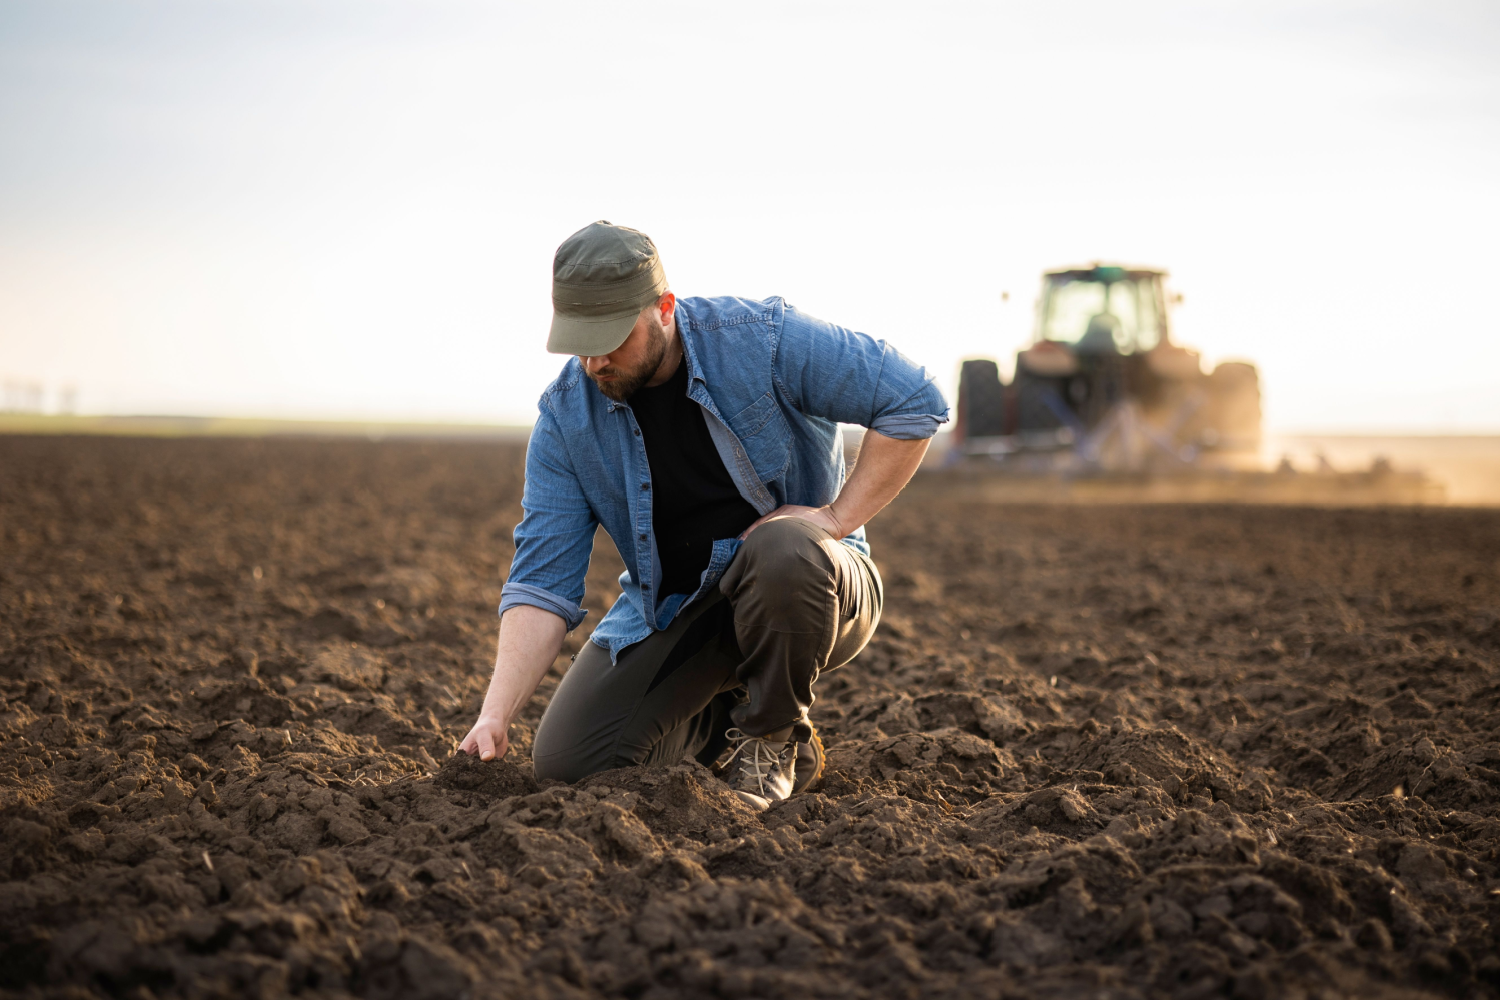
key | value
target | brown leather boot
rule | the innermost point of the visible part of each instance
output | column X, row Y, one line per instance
column 809, row 763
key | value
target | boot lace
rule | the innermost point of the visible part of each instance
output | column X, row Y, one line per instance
column 757, row 765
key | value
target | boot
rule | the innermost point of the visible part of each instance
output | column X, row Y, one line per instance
column 809, row 762
column 767, row 768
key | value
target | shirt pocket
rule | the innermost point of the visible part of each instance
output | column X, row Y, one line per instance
column 766, row 438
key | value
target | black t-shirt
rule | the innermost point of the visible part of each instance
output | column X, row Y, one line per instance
column 695, row 503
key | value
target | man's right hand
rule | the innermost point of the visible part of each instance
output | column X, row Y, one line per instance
column 530, row 640
column 488, row 738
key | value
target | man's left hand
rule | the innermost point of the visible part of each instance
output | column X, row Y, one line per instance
column 823, row 517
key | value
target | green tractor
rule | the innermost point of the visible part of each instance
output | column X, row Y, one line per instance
column 1103, row 387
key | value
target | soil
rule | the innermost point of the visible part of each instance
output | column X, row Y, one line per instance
column 1092, row 751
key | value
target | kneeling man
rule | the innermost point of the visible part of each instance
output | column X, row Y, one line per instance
column 703, row 435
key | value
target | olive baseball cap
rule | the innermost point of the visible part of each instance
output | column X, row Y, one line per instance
column 602, row 277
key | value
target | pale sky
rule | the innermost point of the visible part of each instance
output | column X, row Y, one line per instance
column 321, row 209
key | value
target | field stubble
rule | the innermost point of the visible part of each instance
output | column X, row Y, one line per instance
column 1108, row 751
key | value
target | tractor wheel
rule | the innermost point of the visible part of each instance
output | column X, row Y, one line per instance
column 981, row 400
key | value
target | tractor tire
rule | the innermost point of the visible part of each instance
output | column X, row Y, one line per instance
column 981, row 401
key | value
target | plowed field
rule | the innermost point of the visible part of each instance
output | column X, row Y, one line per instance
column 1093, row 751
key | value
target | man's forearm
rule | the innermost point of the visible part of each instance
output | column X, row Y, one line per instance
column 885, row 465
column 530, row 640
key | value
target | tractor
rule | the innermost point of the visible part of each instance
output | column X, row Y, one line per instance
column 1103, row 387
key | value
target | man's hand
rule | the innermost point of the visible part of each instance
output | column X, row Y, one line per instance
column 489, row 738
column 530, row 640
column 823, row 517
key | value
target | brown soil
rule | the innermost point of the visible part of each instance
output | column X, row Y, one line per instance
column 1108, row 751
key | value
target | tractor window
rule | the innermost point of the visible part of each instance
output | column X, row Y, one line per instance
column 1122, row 304
column 1095, row 315
column 1148, row 331
column 1067, row 308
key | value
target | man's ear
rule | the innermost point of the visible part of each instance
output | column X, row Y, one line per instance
column 667, row 306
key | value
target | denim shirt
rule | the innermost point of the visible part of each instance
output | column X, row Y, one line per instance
column 774, row 384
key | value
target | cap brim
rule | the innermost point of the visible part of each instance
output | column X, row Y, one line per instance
column 590, row 336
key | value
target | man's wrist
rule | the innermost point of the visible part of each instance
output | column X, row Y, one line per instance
column 493, row 714
column 838, row 522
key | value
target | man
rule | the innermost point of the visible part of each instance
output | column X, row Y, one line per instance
column 703, row 435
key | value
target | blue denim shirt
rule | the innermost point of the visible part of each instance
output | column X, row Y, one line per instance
column 774, row 384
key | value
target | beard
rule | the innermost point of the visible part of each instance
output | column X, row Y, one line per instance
column 626, row 381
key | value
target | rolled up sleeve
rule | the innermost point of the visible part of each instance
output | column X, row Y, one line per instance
column 908, row 426
column 556, row 535
column 839, row 374
column 513, row 594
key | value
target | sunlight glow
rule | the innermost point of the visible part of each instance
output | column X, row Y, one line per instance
column 348, row 209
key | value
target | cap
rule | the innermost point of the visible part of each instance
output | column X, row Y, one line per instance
column 602, row 277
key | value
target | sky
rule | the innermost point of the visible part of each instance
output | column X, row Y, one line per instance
column 326, row 209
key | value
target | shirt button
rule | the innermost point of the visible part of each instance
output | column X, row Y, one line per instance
column 645, row 486
column 643, row 536
column 637, row 432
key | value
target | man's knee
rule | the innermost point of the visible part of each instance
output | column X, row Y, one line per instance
column 783, row 577
column 564, row 766
column 788, row 548
column 561, row 756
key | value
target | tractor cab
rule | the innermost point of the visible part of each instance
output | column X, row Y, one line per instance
column 1103, row 310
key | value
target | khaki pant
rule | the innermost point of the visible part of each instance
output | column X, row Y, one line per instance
column 793, row 603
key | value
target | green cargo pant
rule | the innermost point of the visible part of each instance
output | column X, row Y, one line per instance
column 793, row 603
